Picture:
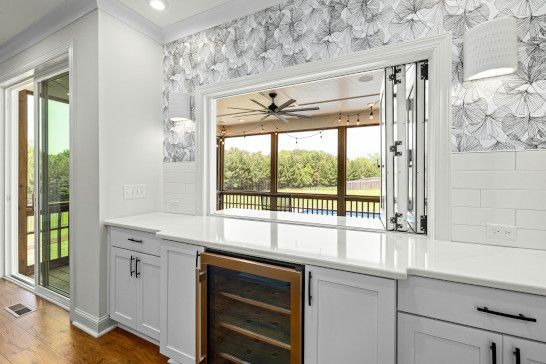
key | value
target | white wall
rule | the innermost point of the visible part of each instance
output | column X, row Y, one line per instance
column 500, row 188
column 85, row 195
column 130, row 125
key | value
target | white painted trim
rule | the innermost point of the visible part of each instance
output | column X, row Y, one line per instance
column 58, row 18
column 220, row 14
column 130, row 17
column 136, row 333
column 94, row 326
column 32, row 289
column 436, row 49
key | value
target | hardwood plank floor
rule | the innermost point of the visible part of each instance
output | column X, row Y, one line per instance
column 46, row 336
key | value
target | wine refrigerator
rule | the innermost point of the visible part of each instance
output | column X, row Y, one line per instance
column 248, row 311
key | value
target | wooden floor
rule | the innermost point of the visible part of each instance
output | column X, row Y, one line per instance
column 46, row 336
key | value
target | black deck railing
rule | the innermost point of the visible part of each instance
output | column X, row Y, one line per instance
column 305, row 203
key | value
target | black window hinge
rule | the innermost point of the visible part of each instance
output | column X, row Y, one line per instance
column 393, row 77
column 394, row 220
column 424, row 70
column 394, row 148
column 423, row 220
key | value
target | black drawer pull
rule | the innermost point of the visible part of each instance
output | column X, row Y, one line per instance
column 135, row 240
column 517, row 317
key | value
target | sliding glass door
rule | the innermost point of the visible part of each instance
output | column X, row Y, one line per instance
column 52, row 184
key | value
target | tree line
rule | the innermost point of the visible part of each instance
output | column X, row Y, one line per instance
column 250, row 171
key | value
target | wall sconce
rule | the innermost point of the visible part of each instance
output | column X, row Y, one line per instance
column 180, row 111
column 490, row 49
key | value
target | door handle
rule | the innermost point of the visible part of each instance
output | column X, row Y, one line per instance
column 135, row 240
column 137, row 273
column 493, row 348
column 131, row 271
column 517, row 354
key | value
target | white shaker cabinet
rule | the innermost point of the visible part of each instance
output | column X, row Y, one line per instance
column 349, row 318
column 123, row 287
column 426, row 341
column 521, row 351
column 179, row 301
column 134, row 290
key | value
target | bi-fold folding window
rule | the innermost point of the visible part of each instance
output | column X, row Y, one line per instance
column 404, row 119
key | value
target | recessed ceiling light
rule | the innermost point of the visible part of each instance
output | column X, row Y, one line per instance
column 157, row 4
column 365, row 78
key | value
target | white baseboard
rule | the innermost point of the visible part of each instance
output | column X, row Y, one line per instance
column 136, row 333
column 94, row 326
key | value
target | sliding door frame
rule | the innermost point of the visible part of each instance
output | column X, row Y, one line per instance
column 8, row 163
column 435, row 49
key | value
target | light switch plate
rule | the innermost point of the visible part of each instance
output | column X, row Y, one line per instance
column 133, row 192
column 502, row 232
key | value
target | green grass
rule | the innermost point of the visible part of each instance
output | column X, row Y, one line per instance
column 54, row 234
column 331, row 191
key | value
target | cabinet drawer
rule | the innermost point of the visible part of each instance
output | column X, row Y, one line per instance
column 135, row 240
column 518, row 314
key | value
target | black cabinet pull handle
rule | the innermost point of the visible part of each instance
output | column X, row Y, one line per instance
column 131, row 271
column 309, row 295
column 135, row 240
column 136, row 268
column 517, row 354
column 493, row 353
column 509, row 315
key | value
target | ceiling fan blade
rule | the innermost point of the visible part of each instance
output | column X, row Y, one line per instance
column 265, row 117
column 256, row 102
column 296, row 115
column 281, row 118
column 245, row 113
column 286, row 104
column 242, row 108
column 302, row 109
column 240, row 116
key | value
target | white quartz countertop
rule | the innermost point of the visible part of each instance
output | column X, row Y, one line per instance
column 384, row 254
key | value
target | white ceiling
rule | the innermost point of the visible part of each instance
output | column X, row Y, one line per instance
column 17, row 15
column 332, row 96
column 177, row 10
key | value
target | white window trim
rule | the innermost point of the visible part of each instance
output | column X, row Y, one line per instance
column 437, row 49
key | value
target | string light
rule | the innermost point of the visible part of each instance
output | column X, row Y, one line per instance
column 262, row 129
column 358, row 119
column 339, row 118
column 348, row 119
column 371, row 113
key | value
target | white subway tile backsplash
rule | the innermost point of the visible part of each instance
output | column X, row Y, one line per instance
column 482, row 216
column 465, row 197
column 468, row 233
column 515, row 199
column 533, row 239
column 531, row 160
column 179, row 187
column 531, row 219
column 493, row 180
column 484, row 161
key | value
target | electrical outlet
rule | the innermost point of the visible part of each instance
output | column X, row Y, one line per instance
column 501, row 232
column 132, row 192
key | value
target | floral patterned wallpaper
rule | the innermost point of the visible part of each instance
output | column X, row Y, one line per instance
column 492, row 114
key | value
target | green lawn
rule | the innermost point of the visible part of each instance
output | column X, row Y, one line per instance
column 331, row 191
column 54, row 254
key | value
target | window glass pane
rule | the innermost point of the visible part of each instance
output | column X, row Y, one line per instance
column 363, row 158
column 247, row 163
column 308, row 162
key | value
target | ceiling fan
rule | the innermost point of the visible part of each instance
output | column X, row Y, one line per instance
column 280, row 112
